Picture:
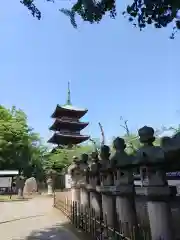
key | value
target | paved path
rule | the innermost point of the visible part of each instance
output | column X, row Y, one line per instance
column 32, row 220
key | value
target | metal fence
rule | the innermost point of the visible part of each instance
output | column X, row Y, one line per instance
column 86, row 220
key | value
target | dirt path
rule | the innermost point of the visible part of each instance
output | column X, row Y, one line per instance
column 32, row 220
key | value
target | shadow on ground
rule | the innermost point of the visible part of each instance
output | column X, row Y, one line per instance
column 65, row 231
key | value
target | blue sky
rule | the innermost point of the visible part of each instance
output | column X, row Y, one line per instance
column 114, row 69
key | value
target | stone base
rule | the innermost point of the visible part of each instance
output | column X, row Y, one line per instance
column 159, row 211
column 160, row 220
column 126, row 213
column 108, row 205
column 75, row 194
column 50, row 190
column 20, row 193
column 95, row 203
column 84, row 197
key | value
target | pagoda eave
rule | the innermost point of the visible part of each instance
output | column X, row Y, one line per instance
column 65, row 139
column 59, row 124
column 68, row 109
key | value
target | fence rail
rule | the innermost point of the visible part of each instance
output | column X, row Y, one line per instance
column 85, row 219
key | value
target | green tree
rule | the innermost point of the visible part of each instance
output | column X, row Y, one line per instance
column 132, row 143
column 62, row 158
column 132, row 139
column 20, row 147
column 141, row 13
column 171, row 129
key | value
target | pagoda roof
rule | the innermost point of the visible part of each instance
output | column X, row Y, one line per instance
column 73, row 108
column 70, row 124
column 66, row 139
column 67, row 109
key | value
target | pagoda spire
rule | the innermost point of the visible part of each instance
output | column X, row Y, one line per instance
column 68, row 102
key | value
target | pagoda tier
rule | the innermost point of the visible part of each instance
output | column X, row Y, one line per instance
column 67, row 139
column 69, row 111
column 68, row 124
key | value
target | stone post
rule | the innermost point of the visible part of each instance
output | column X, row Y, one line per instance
column 84, row 194
column 50, row 186
column 75, row 193
column 20, row 185
column 94, row 181
column 108, row 199
column 125, row 191
column 50, row 181
column 125, row 203
column 74, row 171
column 155, row 187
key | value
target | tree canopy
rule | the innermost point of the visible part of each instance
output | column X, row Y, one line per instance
column 141, row 13
column 62, row 158
column 20, row 147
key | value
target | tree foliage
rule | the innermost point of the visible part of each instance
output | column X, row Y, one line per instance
column 159, row 13
column 132, row 139
column 20, row 146
column 62, row 158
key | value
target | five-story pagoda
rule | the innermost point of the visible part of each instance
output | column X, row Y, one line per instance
column 67, row 125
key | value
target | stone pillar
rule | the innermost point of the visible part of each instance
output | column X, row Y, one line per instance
column 125, row 205
column 84, row 194
column 20, row 193
column 20, row 185
column 106, row 184
column 158, row 195
column 75, row 193
column 94, row 181
column 74, row 171
column 51, row 174
column 95, row 197
column 108, row 199
column 50, row 186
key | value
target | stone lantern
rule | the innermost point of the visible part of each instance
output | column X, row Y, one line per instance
column 75, row 172
column 106, row 184
column 152, row 162
column 84, row 194
column 94, row 181
column 50, row 181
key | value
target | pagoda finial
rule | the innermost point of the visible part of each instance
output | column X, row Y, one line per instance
column 68, row 95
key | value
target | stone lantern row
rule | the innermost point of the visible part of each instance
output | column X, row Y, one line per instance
column 107, row 185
